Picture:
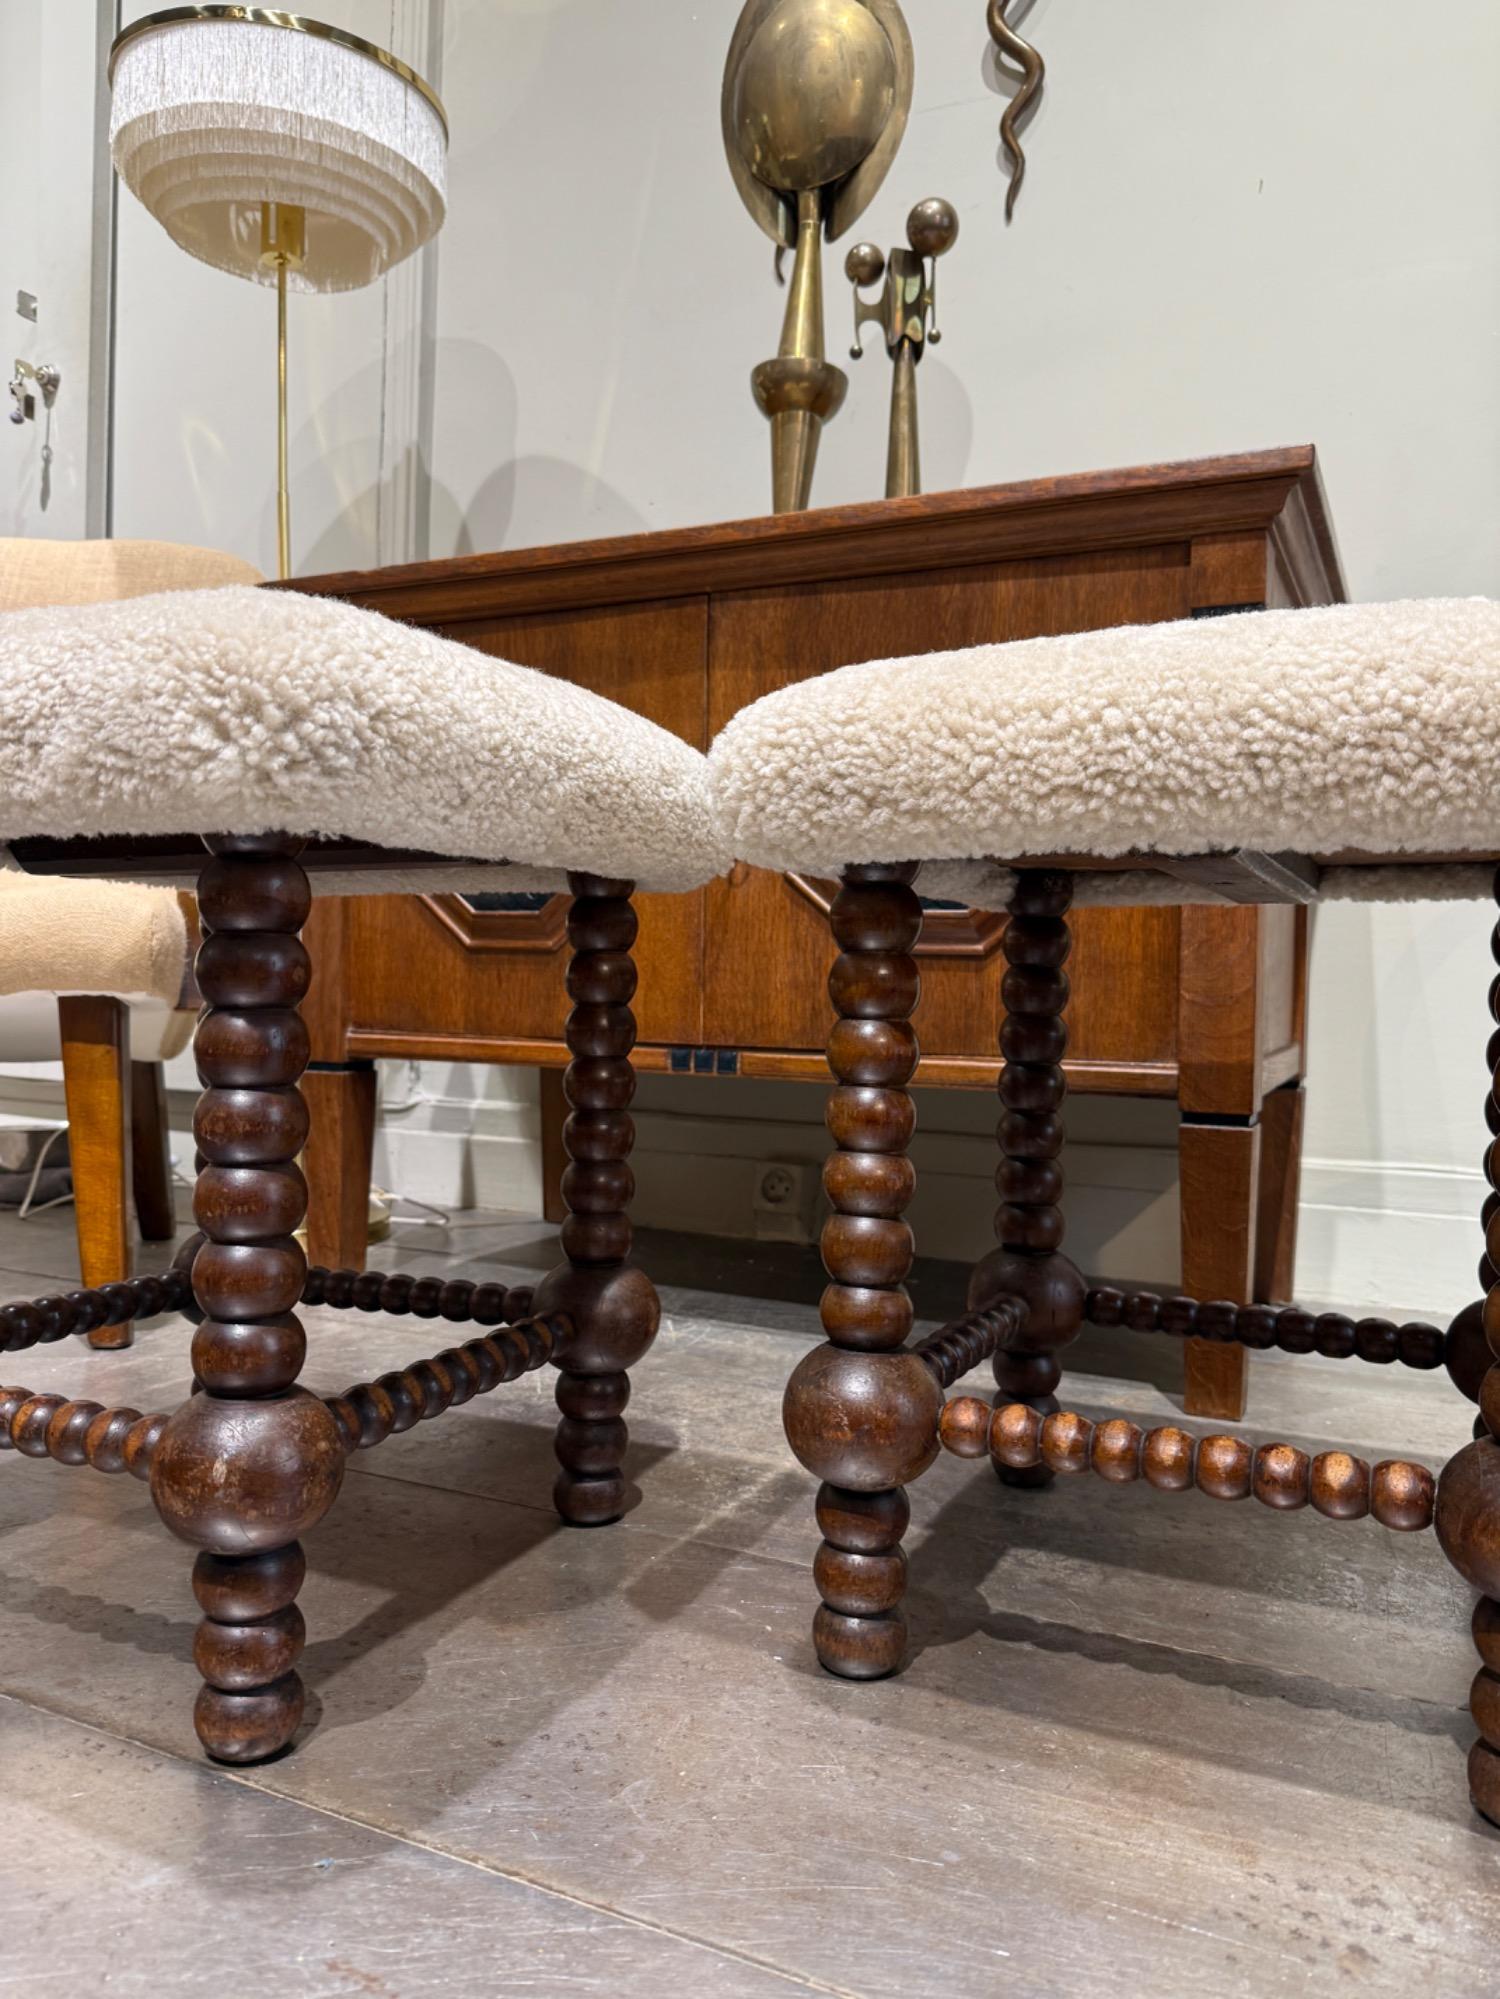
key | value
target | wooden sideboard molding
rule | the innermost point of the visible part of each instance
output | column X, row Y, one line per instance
column 1256, row 493
column 934, row 1072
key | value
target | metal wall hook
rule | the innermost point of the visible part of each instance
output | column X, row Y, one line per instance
column 48, row 380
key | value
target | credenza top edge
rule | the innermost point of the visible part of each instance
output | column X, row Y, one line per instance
column 1245, row 493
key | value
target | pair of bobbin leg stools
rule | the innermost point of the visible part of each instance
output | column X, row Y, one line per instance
column 1337, row 752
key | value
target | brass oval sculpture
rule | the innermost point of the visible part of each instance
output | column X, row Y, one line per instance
column 815, row 100
column 813, row 93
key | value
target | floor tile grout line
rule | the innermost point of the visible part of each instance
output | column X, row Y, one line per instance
column 520, row 1877
column 546, row 1507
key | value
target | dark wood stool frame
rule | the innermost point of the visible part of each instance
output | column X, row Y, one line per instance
column 865, row 1412
column 251, row 1461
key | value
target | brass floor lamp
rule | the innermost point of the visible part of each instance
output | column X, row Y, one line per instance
column 281, row 150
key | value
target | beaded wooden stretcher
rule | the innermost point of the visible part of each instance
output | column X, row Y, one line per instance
column 865, row 1412
column 250, row 1461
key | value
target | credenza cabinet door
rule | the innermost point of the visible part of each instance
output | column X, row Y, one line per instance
column 457, row 967
column 767, row 948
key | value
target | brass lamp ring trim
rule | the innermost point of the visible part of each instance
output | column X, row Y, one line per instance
column 275, row 17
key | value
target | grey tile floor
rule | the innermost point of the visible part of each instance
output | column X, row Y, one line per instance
column 1147, row 1744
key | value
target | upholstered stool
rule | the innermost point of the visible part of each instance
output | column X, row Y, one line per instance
column 316, row 746
column 1280, row 755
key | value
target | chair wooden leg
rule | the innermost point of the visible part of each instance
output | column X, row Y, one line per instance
column 861, row 1411
column 1278, row 1194
column 243, row 1469
column 96, row 1079
column 1027, row 1264
column 1220, row 1193
column 613, row 1304
column 151, row 1152
column 338, row 1162
column 1468, row 1497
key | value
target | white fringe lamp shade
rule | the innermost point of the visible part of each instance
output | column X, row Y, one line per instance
column 219, row 112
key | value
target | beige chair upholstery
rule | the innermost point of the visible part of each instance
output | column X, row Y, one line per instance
column 34, row 572
column 91, row 937
column 1349, row 728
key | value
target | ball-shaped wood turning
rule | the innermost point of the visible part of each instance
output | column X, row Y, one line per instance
column 615, row 1314
column 863, row 1420
column 239, row 1477
column 1467, row 1518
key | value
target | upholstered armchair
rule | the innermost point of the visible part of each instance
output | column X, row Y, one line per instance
column 99, row 973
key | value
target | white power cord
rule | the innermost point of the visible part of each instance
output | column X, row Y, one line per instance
column 29, row 1205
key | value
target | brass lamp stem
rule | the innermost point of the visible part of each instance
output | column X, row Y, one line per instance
column 283, row 495
column 283, row 247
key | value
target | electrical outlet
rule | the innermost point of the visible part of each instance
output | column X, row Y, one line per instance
column 780, row 1203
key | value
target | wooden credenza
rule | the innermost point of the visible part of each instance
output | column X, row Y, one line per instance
column 1203, row 1005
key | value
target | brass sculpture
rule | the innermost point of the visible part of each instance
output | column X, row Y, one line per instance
column 815, row 100
column 906, row 312
column 1033, row 70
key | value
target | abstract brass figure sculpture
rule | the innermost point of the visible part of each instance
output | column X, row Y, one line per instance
column 907, row 314
column 1033, row 70
column 816, row 94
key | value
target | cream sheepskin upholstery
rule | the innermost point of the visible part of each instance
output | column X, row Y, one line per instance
column 1364, row 728
column 241, row 710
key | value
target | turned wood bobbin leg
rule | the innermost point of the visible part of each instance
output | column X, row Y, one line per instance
column 613, row 1305
column 1029, row 1223
column 861, row 1411
column 1468, row 1500
column 247, row 1466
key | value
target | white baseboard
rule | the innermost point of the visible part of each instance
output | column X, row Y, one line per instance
column 1403, row 1240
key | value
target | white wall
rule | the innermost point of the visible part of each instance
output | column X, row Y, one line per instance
column 47, row 248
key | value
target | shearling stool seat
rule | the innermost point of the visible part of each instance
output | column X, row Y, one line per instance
column 1270, row 756
column 310, row 745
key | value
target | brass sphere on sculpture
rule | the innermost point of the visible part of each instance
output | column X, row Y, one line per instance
column 865, row 264
column 932, row 227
